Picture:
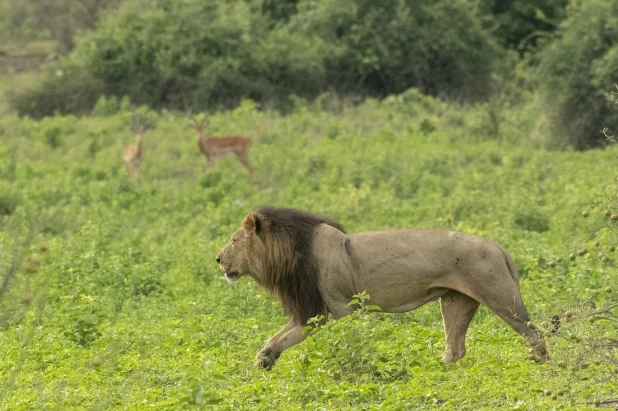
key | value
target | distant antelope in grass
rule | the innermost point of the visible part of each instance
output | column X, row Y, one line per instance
column 212, row 147
column 132, row 155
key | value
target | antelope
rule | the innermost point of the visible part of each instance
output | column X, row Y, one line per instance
column 132, row 155
column 212, row 147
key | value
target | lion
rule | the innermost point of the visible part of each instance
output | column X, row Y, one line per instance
column 314, row 267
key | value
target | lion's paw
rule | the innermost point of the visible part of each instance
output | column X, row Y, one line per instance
column 265, row 359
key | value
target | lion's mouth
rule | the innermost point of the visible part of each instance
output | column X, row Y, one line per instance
column 232, row 276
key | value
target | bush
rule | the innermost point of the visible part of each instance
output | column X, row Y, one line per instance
column 387, row 47
column 532, row 220
column 519, row 24
column 108, row 106
column 72, row 90
column 196, row 55
column 184, row 54
column 8, row 204
column 577, row 69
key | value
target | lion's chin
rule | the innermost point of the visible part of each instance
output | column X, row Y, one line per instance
column 233, row 276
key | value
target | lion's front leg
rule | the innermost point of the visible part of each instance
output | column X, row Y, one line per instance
column 289, row 335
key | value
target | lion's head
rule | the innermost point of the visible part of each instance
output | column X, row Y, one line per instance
column 232, row 259
column 274, row 247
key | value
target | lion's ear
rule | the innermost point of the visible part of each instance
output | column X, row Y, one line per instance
column 256, row 223
column 253, row 223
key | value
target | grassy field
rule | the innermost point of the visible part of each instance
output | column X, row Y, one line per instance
column 127, row 309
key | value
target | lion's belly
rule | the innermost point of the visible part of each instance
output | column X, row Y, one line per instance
column 404, row 269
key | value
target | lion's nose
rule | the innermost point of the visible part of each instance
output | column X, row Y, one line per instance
column 218, row 260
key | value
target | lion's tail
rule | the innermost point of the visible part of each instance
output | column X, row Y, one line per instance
column 511, row 266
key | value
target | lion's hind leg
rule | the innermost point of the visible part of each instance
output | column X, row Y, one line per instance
column 457, row 312
column 506, row 301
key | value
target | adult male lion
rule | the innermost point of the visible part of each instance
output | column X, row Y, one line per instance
column 313, row 266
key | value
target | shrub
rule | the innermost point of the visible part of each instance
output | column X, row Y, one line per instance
column 519, row 24
column 532, row 220
column 8, row 203
column 577, row 69
column 199, row 54
column 184, row 54
column 387, row 47
column 72, row 90
column 109, row 105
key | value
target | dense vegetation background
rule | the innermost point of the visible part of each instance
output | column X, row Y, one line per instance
column 551, row 60
column 482, row 116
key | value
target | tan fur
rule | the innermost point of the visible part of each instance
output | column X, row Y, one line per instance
column 276, row 243
column 269, row 263
column 212, row 147
column 400, row 269
column 132, row 157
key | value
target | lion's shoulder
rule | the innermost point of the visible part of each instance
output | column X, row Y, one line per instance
column 329, row 242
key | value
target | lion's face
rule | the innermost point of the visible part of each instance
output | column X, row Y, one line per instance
column 232, row 259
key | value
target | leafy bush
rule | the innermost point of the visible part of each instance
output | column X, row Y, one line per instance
column 184, row 54
column 110, row 105
column 128, row 276
column 8, row 203
column 532, row 220
column 72, row 90
column 519, row 24
column 196, row 55
column 577, row 69
column 387, row 47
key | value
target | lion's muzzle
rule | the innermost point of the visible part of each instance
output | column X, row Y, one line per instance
column 232, row 276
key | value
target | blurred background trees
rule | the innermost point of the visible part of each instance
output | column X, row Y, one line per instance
column 60, row 20
column 197, row 55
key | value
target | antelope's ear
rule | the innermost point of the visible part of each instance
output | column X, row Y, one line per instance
column 254, row 223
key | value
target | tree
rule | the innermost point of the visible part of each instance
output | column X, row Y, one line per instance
column 64, row 19
column 576, row 68
column 518, row 24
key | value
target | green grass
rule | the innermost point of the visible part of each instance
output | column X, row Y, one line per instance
column 128, row 309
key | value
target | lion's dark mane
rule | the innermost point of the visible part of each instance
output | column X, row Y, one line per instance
column 297, row 284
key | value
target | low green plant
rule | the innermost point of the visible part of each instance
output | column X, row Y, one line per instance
column 128, row 308
column 8, row 203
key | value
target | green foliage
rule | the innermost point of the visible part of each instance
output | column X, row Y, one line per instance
column 427, row 126
column 388, row 47
column 71, row 90
column 279, row 11
column 196, row 55
column 61, row 20
column 108, row 106
column 143, row 120
column 17, row 21
column 127, row 308
column 577, row 69
column 183, row 55
column 519, row 24
column 8, row 203
column 532, row 220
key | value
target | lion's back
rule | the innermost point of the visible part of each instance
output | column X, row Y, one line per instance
column 431, row 248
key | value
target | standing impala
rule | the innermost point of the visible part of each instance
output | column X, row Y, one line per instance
column 213, row 147
column 132, row 155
